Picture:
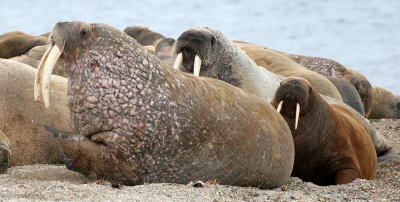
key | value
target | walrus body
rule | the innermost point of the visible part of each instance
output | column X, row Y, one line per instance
column 348, row 93
column 17, row 43
column 143, row 35
column 22, row 118
column 33, row 56
column 140, row 121
column 224, row 60
column 332, row 68
column 332, row 145
column 385, row 104
column 279, row 64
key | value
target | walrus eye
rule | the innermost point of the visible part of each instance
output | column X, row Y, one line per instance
column 84, row 32
column 213, row 40
column 310, row 90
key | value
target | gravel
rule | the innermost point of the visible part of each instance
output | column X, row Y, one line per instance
column 55, row 182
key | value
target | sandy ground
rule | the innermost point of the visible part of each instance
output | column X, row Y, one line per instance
column 55, row 182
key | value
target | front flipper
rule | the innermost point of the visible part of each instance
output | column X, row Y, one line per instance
column 90, row 158
column 346, row 176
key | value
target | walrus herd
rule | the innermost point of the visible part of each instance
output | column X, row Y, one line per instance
column 137, row 107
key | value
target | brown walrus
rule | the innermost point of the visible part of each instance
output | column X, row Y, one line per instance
column 33, row 56
column 279, row 64
column 139, row 121
column 143, row 35
column 5, row 152
column 332, row 68
column 22, row 118
column 349, row 94
column 385, row 104
column 218, row 57
column 332, row 145
column 16, row 43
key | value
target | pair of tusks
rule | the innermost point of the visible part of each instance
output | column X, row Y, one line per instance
column 297, row 112
column 43, row 75
column 196, row 67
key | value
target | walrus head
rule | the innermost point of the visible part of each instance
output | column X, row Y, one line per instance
column 143, row 35
column 292, row 97
column 364, row 88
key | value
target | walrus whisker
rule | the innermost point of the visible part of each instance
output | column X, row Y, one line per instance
column 178, row 61
column 54, row 54
column 197, row 65
column 279, row 106
column 297, row 115
column 39, row 74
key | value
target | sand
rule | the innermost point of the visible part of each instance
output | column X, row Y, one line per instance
column 55, row 182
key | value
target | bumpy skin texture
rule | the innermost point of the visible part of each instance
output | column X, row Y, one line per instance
column 279, row 64
column 22, row 118
column 143, row 35
column 224, row 60
column 17, row 43
column 5, row 152
column 332, row 146
column 141, row 121
column 328, row 67
column 385, row 104
column 349, row 94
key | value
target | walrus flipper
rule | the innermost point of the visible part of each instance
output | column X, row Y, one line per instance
column 5, row 153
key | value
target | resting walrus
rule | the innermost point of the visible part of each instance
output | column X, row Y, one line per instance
column 16, row 43
column 209, row 52
column 332, row 145
column 143, row 35
column 140, row 121
column 385, row 104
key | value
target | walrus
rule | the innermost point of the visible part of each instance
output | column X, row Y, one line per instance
column 216, row 56
column 22, row 118
column 279, row 64
column 16, row 43
column 143, row 35
column 138, row 121
column 329, row 67
column 33, row 57
column 332, row 146
column 5, row 152
column 385, row 104
column 348, row 93
column 165, row 52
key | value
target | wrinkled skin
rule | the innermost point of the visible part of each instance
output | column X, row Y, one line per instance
column 385, row 104
column 334, row 148
column 349, row 94
column 328, row 67
column 139, row 121
column 17, row 43
column 224, row 60
column 143, row 35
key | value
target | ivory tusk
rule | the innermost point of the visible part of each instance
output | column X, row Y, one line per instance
column 279, row 106
column 48, row 68
column 178, row 61
column 297, row 115
column 39, row 74
column 197, row 65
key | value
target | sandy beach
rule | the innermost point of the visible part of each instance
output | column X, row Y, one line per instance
column 55, row 182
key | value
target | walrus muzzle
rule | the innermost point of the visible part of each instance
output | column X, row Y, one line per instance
column 42, row 79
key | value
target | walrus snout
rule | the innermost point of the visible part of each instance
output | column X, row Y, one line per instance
column 194, row 45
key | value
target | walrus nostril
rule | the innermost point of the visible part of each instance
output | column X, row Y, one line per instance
column 290, row 98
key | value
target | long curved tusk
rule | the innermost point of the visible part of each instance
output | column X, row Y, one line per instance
column 39, row 74
column 48, row 68
column 297, row 115
column 197, row 65
column 279, row 106
column 178, row 61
